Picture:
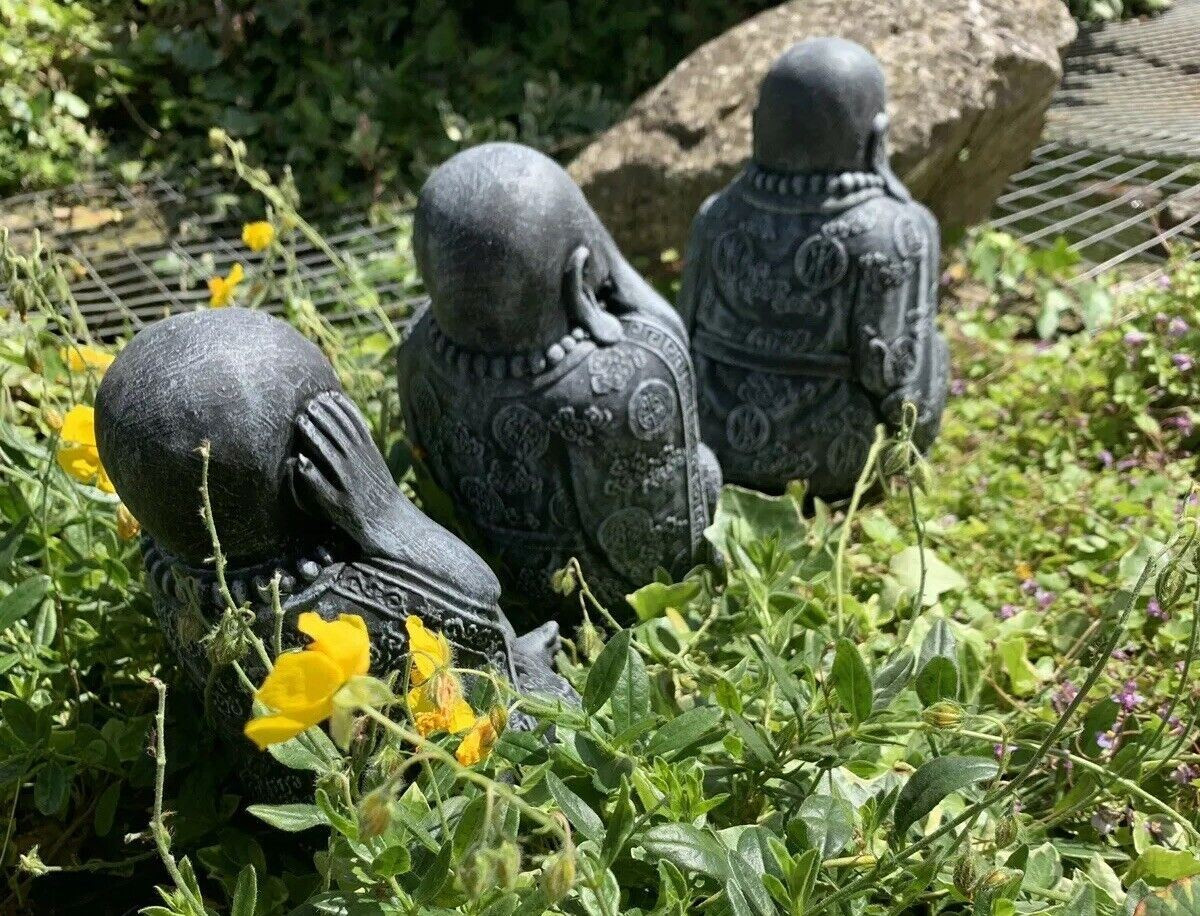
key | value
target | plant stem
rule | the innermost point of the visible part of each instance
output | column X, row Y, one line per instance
column 860, row 489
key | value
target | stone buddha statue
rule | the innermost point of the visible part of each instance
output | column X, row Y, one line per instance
column 299, row 490
column 548, row 388
column 810, row 287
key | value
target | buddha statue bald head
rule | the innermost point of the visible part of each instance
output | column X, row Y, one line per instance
column 821, row 109
column 511, row 254
column 236, row 379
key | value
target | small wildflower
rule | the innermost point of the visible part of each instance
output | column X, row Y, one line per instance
column 1154, row 610
column 1183, row 422
column 435, row 700
column 80, row 358
column 1182, row 361
column 1029, row 586
column 482, row 737
column 1178, row 327
column 1128, row 698
column 1008, row 611
column 258, row 236
column 79, row 456
column 1106, row 459
column 1185, row 774
column 1001, row 749
column 1135, row 338
column 1106, row 740
column 958, row 387
column 1164, row 282
column 222, row 289
column 1064, row 697
column 301, row 687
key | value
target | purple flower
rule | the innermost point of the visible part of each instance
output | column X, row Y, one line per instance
column 1106, row 458
column 1008, row 611
column 1182, row 362
column 1135, row 338
column 1064, row 697
column 1106, row 740
column 1128, row 698
column 1178, row 327
column 1183, row 423
column 1001, row 749
column 1185, row 773
column 1161, row 319
column 958, row 387
column 1104, row 821
column 1154, row 610
column 1044, row 598
column 1126, row 463
column 1120, row 655
column 1029, row 586
column 1164, row 282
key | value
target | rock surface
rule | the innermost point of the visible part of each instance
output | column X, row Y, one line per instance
column 968, row 84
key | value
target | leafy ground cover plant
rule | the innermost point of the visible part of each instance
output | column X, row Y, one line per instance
column 971, row 690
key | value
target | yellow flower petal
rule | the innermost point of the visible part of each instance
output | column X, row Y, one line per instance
column 478, row 742
column 429, row 651
column 302, row 686
column 103, row 481
column 82, row 358
column 79, row 426
column 236, row 275
column 344, row 641
column 459, row 717
column 80, row 461
column 258, row 236
column 268, row 730
column 221, row 289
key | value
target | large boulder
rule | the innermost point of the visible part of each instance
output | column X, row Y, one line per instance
column 969, row 82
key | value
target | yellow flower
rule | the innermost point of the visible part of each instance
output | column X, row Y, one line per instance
column 81, row 358
column 128, row 527
column 435, row 700
column 258, row 236
column 301, row 687
column 221, row 289
column 482, row 737
column 78, row 454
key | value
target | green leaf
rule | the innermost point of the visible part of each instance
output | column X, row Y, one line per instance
column 313, row 750
column 938, row 680
column 106, row 809
column 605, row 671
column 745, row 516
column 939, row 578
column 933, row 781
column 434, row 879
column 851, row 680
column 582, row 817
column 24, row 722
column 828, row 824
column 754, row 741
column 652, row 600
column 395, row 860
column 245, row 893
column 1180, row 898
column 620, row 825
column 892, row 678
column 1022, row 676
column 22, row 599
column 51, row 788
column 939, row 642
column 1082, row 903
column 683, row 731
column 1158, row 865
column 631, row 697
column 290, row 818
column 688, row 847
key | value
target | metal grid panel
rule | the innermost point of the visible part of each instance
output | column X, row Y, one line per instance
column 136, row 251
column 1118, row 176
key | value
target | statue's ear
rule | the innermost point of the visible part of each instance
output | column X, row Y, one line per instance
column 877, row 159
column 583, row 306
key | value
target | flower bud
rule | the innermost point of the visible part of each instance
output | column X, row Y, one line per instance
column 563, row 581
column 475, row 873
column 374, row 815
column 558, row 876
column 128, row 527
column 944, row 714
column 965, row 874
column 590, row 643
column 1007, row 831
column 506, row 859
column 217, row 138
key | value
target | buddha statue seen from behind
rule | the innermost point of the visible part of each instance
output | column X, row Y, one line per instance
column 548, row 387
column 810, row 287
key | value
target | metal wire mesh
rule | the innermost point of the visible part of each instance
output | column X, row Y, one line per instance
column 138, row 250
column 1118, row 176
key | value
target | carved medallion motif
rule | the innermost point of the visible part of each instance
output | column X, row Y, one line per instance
column 520, row 431
column 821, row 262
column 747, row 427
column 652, row 409
column 612, row 368
column 907, row 236
column 628, row 538
column 580, row 427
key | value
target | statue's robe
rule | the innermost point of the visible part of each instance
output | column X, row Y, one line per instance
column 583, row 450
column 811, row 317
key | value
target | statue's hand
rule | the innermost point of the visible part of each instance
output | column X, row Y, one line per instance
column 338, row 472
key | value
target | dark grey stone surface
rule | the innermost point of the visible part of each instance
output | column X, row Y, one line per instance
column 810, row 288
column 548, row 387
column 299, row 488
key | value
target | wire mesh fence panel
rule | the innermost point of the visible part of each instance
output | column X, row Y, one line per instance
column 1118, row 176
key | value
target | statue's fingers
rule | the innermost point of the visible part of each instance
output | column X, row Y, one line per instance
column 310, row 485
column 350, row 418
